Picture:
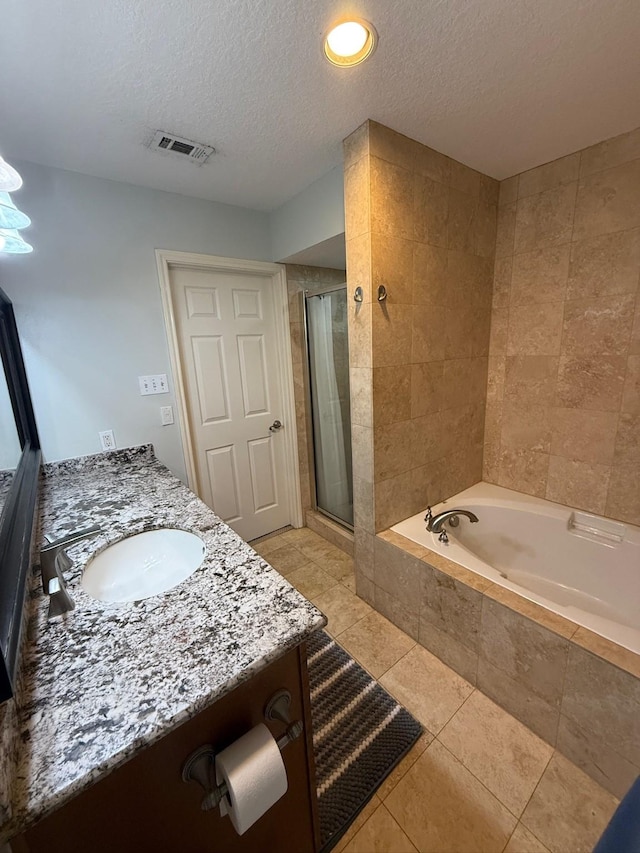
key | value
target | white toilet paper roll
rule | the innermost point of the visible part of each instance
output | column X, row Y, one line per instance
column 255, row 775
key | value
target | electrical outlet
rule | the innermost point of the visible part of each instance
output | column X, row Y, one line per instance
column 156, row 384
column 107, row 440
column 166, row 415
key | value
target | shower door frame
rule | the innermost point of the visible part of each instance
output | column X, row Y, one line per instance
column 307, row 293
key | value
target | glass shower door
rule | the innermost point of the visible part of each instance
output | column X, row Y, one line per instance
column 328, row 346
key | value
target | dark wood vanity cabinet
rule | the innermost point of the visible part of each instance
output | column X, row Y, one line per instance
column 145, row 806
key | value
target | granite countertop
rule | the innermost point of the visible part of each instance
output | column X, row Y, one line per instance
column 107, row 680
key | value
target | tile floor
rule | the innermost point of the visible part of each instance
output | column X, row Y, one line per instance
column 477, row 781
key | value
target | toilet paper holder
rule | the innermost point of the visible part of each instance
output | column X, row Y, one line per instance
column 200, row 766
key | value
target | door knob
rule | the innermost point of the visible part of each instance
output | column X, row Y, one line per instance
column 275, row 426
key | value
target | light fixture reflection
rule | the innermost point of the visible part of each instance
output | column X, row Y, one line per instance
column 10, row 179
column 13, row 243
column 350, row 42
column 10, row 216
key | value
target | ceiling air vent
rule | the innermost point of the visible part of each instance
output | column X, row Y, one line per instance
column 187, row 149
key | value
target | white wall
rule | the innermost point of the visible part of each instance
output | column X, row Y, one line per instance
column 88, row 307
column 313, row 216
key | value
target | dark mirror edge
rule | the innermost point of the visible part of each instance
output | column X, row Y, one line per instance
column 18, row 515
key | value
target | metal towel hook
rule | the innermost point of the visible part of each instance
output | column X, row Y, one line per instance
column 382, row 293
column 358, row 296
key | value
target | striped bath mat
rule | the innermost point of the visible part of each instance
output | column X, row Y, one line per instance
column 360, row 733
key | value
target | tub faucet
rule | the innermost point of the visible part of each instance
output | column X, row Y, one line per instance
column 53, row 561
column 435, row 522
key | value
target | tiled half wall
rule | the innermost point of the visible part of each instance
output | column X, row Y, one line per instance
column 563, row 406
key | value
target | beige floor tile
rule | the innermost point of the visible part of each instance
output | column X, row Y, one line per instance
column 568, row 811
column 268, row 545
column 342, row 608
column 442, row 807
column 337, row 563
column 301, row 535
column 358, row 823
column 427, row 688
column 380, row 834
column 311, row 580
column 407, row 762
column 349, row 581
column 523, row 841
column 317, row 548
column 500, row 751
column 286, row 560
column 376, row 643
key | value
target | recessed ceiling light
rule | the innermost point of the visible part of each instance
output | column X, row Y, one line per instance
column 350, row 42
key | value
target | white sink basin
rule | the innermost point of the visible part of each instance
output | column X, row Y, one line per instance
column 143, row 565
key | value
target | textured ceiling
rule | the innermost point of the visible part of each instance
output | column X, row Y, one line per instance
column 502, row 85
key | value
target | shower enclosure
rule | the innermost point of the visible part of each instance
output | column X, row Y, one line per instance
column 328, row 352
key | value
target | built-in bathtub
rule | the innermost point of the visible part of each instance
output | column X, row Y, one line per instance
column 578, row 565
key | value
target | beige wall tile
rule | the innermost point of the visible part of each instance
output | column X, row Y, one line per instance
column 407, row 545
column 540, row 276
column 391, row 334
column 524, row 471
column 467, row 329
column 535, row 329
column 634, row 344
column 365, row 589
column 591, row 382
column 360, row 334
column 398, row 572
column 505, row 230
column 465, row 179
column 525, row 651
column 608, row 201
column 607, row 650
column 623, row 499
column 361, row 387
column 461, row 221
column 389, row 145
column 392, row 449
column 587, row 750
column 392, row 500
column 427, row 438
column 489, row 190
column 392, row 266
column 535, row 612
column 502, row 282
column 521, row 702
column 404, row 616
column 496, row 374
column 363, row 507
column 611, row 152
column 432, row 164
column 583, row 435
column 427, row 688
column 545, row 219
column 356, row 145
column 525, row 427
column 427, row 337
column 550, row 175
column 499, row 331
column 499, row 750
column 362, row 452
column 486, row 229
column 530, row 380
column 579, row 484
column 357, row 216
column 429, row 274
column 464, row 381
column 600, row 326
column 391, row 188
column 606, row 265
column 627, row 451
column 456, row 655
column 568, row 811
column 380, row 832
column 427, row 485
column 430, row 211
column 392, row 395
column 631, row 392
column 426, row 388
column 462, row 814
column 450, row 605
column 508, row 192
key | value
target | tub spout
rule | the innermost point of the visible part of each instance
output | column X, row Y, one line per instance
column 436, row 522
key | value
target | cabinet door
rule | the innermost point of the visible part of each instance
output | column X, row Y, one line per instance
column 145, row 807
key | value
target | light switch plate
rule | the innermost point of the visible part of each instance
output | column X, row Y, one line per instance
column 155, row 384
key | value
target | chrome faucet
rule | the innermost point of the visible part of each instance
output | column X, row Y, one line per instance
column 435, row 522
column 53, row 562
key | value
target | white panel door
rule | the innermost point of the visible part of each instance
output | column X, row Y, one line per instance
column 225, row 326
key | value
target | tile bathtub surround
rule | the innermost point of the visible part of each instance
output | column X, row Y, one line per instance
column 424, row 226
column 563, row 389
column 574, row 689
column 144, row 662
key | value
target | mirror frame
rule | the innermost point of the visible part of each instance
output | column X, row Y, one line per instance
column 18, row 514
